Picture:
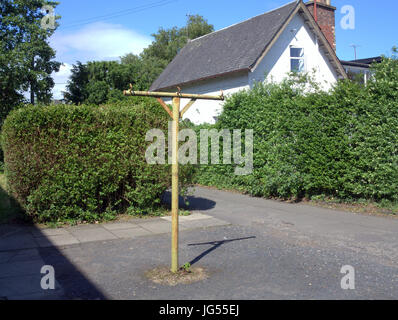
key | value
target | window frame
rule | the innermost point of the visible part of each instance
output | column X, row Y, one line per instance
column 297, row 58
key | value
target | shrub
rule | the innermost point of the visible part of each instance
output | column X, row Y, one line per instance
column 375, row 138
column 341, row 143
column 84, row 162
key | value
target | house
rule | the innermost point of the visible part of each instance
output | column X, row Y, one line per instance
column 295, row 37
column 360, row 68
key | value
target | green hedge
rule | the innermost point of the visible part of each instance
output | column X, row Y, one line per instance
column 341, row 143
column 84, row 162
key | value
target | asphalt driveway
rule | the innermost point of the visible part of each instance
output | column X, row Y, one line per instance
column 263, row 250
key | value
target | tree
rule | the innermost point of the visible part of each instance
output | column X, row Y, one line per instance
column 197, row 27
column 87, row 80
column 144, row 71
column 97, row 92
column 76, row 87
column 26, row 58
column 168, row 42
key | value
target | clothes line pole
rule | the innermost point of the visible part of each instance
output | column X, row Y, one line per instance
column 175, row 114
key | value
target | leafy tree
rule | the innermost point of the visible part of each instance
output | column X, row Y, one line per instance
column 197, row 26
column 168, row 42
column 76, row 87
column 87, row 79
column 26, row 58
column 140, row 70
column 97, row 92
column 143, row 71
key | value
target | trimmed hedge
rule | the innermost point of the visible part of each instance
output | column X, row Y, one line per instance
column 84, row 162
column 342, row 143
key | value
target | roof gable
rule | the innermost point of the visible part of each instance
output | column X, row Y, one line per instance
column 240, row 47
column 228, row 50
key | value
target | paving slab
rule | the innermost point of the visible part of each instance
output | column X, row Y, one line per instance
column 83, row 227
column 49, row 232
column 131, row 233
column 119, row 226
column 21, row 237
column 57, row 241
column 9, row 230
column 96, row 233
column 157, row 227
column 192, row 217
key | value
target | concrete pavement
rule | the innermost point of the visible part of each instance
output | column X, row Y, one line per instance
column 14, row 237
column 252, row 248
column 21, row 247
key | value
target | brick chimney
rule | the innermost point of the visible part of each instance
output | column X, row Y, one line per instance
column 324, row 14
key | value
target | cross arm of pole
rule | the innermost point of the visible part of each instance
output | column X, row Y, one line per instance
column 172, row 95
column 165, row 107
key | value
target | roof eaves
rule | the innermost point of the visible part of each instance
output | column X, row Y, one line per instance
column 355, row 64
column 202, row 79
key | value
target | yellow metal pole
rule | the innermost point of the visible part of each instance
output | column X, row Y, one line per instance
column 174, row 197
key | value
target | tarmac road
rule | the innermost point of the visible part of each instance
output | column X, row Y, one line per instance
column 266, row 250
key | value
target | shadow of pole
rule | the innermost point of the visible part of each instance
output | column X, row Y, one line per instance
column 216, row 244
column 194, row 203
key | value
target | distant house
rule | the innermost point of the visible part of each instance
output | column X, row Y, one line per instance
column 267, row 46
column 360, row 69
column 58, row 101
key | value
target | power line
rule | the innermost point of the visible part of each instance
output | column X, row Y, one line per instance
column 105, row 15
column 120, row 13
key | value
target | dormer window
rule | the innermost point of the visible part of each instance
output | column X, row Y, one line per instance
column 297, row 59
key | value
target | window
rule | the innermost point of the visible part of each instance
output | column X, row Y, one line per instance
column 297, row 59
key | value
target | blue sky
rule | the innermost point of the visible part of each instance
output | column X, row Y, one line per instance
column 103, row 29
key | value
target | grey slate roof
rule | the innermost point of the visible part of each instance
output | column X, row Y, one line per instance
column 364, row 63
column 228, row 50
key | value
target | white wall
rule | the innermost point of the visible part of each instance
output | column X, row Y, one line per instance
column 205, row 111
column 276, row 65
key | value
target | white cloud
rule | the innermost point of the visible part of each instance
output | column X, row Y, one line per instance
column 97, row 41
column 60, row 79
